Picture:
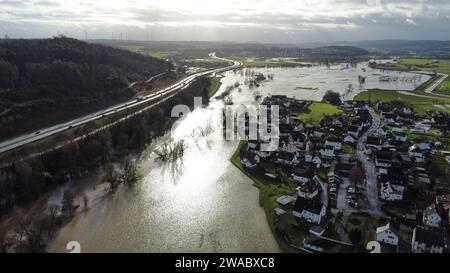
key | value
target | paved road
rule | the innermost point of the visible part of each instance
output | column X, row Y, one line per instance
column 369, row 165
column 442, row 78
column 50, row 131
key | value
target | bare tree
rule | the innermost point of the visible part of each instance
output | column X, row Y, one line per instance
column 130, row 174
column 68, row 206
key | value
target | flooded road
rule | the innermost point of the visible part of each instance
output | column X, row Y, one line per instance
column 202, row 203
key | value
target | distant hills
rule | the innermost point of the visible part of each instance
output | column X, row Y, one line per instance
column 48, row 80
column 423, row 48
column 181, row 49
column 427, row 48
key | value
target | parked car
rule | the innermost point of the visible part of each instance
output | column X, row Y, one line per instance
column 351, row 190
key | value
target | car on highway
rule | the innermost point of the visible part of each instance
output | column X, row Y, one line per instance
column 37, row 132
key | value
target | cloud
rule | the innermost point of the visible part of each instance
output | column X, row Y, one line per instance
column 259, row 20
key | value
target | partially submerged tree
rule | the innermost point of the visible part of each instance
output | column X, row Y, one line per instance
column 332, row 97
column 130, row 174
column 68, row 206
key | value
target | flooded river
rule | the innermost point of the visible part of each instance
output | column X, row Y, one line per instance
column 202, row 203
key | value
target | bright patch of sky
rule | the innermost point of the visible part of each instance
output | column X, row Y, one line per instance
column 281, row 21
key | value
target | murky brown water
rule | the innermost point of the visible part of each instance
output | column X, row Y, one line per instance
column 203, row 204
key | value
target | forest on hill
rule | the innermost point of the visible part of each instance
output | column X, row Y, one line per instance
column 45, row 81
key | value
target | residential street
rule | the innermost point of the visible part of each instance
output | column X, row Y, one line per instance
column 370, row 181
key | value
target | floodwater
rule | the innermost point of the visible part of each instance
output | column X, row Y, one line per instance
column 201, row 202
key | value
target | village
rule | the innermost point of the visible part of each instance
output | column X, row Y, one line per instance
column 371, row 177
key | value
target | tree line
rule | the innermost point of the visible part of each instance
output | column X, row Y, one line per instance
column 46, row 79
column 24, row 181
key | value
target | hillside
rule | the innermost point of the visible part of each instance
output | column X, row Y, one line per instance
column 192, row 50
column 50, row 80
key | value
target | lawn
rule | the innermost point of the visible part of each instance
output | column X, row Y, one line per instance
column 363, row 222
column 444, row 88
column 317, row 111
column 420, row 104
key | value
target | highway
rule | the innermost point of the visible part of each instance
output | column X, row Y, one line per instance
column 154, row 97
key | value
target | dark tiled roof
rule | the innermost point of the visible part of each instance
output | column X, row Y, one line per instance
column 309, row 205
column 430, row 237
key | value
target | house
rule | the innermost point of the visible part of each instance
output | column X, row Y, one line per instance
column 350, row 139
column 374, row 142
column 334, row 142
column 428, row 241
column 327, row 152
column 318, row 244
column 249, row 159
column 389, row 193
column 382, row 163
column 253, row 145
column 287, row 158
column 354, row 130
column 284, row 200
column 388, row 234
column 317, row 161
column 431, row 217
column 420, row 128
column 303, row 175
column 393, row 183
column 383, row 158
column 419, row 150
column 310, row 210
column 309, row 190
column 400, row 136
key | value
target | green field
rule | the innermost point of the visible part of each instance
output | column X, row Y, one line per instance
column 266, row 62
column 134, row 48
column 442, row 66
column 161, row 54
column 420, row 104
column 318, row 110
column 215, row 85
column 205, row 60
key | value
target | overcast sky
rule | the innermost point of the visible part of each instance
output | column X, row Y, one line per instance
column 281, row 21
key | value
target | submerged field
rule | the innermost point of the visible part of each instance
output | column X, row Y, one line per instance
column 441, row 66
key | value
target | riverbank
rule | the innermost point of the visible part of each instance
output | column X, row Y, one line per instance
column 103, row 158
column 268, row 193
